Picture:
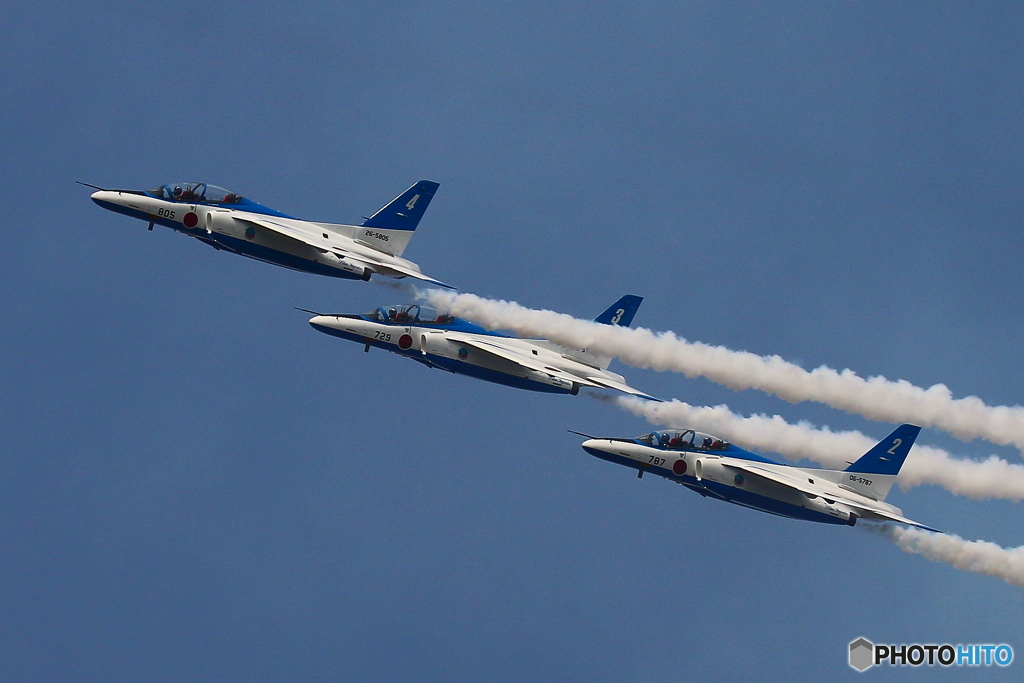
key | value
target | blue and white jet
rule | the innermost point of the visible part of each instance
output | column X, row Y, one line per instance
column 457, row 345
column 717, row 469
column 230, row 222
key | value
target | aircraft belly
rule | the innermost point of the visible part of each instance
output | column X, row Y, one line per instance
column 771, row 505
column 268, row 254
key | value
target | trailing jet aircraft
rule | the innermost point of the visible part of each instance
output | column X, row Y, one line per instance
column 456, row 345
column 717, row 469
column 228, row 221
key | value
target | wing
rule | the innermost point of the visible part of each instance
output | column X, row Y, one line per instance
column 519, row 358
column 317, row 242
column 515, row 356
column 862, row 508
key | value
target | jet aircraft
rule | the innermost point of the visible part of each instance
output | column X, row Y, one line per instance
column 233, row 223
column 456, row 345
column 717, row 469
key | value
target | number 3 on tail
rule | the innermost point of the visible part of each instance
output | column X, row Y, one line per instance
column 618, row 316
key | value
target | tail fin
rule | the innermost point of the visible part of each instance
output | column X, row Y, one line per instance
column 391, row 227
column 621, row 312
column 873, row 474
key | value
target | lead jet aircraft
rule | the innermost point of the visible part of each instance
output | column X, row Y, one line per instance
column 456, row 345
column 233, row 223
column 717, row 469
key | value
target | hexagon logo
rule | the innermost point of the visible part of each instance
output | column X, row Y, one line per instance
column 862, row 654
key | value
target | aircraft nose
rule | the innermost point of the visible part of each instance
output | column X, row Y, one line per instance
column 103, row 197
column 595, row 446
column 324, row 322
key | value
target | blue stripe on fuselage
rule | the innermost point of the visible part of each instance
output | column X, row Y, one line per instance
column 730, row 494
column 729, row 451
column 242, row 204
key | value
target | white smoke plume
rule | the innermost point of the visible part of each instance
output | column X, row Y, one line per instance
column 982, row 557
column 979, row 479
column 875, row 398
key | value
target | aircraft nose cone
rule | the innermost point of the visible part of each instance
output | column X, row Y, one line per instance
column 106, row 197
column 330, row 324
column 595, row 446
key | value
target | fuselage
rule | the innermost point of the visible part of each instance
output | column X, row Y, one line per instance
column 704, row 469
column 437, row 344
column 215, row 224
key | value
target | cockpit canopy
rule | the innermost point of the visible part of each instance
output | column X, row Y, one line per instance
column 687, row 440
column 195, row 193
column 410, row 314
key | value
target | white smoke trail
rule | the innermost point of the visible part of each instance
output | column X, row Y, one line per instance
column 875, row 398
column 978, row 479
column 982, row 557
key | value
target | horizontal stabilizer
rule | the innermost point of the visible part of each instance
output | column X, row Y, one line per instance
column 408, row 272
column 624, row 388
column 878, row 516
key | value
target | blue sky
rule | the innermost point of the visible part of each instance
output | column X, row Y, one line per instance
column 196, row 485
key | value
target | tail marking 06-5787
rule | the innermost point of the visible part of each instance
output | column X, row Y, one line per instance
column 718, row 469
